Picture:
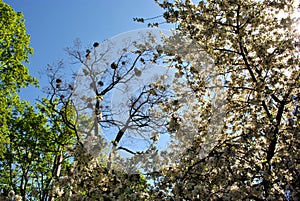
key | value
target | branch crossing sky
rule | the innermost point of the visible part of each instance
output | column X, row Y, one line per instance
column 55, row 24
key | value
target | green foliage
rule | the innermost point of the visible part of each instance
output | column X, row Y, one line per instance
column 14, row 50
column 32, row 147
column 35, row 152
column 41, row 151
column 252, row 156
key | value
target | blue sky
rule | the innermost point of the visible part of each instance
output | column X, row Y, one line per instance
column 54, row 24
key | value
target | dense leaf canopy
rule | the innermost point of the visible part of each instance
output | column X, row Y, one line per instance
column 231, row 113
column 14, row 44
column 14, row 51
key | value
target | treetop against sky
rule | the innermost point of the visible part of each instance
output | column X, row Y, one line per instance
column 221, row 90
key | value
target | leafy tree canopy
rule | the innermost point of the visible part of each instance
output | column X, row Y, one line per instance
column 234, row 103
column 14, row 49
